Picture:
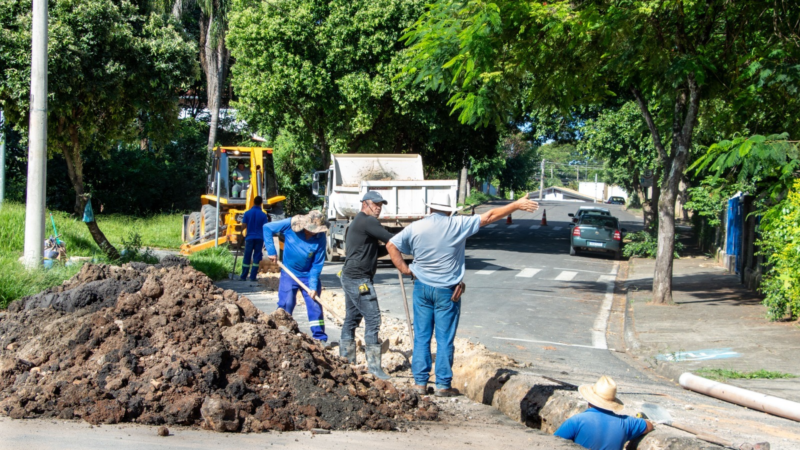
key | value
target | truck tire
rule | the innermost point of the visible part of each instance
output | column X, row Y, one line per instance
column 330, row 256
column 193, row 227
column 210, row 219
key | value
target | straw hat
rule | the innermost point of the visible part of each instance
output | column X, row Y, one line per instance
column 443, row 202
column 602, row 394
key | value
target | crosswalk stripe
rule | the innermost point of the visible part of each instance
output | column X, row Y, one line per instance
column 513, row 226
column 606, row 279
column 535, row 227
column 556, row 228
column 528, row 272
column 566, row 276
column 488, row 270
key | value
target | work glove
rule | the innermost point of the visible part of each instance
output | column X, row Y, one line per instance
column 460, row 288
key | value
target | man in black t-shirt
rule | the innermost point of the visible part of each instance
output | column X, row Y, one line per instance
column 360, row 265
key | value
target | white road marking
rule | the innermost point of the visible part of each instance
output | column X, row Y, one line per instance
column 488, row 270
column 607, row 279
column 535, row 227
column 579, row 270
column 513, row 226
column 491, row 225
column 556, row 228
column 534, row 341
column 566, row 276
column 528, row 273
column 601, row 322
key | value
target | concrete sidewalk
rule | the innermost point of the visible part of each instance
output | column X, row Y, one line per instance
column 715, row 323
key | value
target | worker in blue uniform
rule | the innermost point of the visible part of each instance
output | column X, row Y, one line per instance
column 253, row 227
column 304, row 255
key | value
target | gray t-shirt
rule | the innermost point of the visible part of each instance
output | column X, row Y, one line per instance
column 437, row 243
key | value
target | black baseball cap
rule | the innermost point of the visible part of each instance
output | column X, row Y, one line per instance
column 375, row 197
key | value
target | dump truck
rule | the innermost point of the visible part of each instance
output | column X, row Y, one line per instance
column 230, row 192
column 399, row 179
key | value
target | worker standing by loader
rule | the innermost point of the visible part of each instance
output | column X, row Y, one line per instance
column 361, row 300
column 304, row 255
column 253, row 226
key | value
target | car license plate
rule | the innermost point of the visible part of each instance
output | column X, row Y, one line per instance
column 595, row 244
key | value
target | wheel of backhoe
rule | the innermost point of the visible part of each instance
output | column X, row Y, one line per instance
column 209, row 217
column 193, row 226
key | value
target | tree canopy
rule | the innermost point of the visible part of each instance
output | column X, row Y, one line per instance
column 673, row 54
column 113, row 74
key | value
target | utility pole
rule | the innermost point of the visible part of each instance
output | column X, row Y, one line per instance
column 578, row 174
column 595, row 186
column 2, row 160
column 541, row 182
column 37, row 140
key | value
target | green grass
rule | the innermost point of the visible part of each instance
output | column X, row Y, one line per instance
column 729, row 374
column 162, row 231
column 215, row 262
column 478, row 197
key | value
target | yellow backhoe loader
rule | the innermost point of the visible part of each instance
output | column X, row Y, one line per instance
column 239, row 175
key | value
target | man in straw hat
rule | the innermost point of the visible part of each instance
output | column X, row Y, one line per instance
column 304, row 255
column 437, row 243
column 601, row 427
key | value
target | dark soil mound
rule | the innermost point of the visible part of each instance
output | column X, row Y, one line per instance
column 163, row 345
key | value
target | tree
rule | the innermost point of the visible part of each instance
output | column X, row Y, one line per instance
column 620, row 137
column 520, row 163
column 561, row 54
column 113, row 72
column 321, row 77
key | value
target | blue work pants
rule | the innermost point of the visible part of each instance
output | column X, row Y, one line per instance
column 434, row 312
column 253, row 254
column 287, row 299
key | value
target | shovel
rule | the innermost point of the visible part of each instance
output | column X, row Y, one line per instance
column 405, row 305
column 658, row 414
column 232, row 275
column 311, row 293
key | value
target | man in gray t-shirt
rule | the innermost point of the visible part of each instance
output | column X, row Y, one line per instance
column 437, row 243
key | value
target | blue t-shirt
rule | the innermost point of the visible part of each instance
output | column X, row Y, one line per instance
column 598, row 429
column 255, row 219
column 437, row 243
column 304, row 257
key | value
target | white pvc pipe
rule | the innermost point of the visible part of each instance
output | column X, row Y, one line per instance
column 743, row 397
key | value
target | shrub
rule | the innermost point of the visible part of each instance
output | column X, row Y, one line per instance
column 645, row 244
column 780, row 243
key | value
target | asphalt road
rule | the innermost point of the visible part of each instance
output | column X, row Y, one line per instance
column 526, row 296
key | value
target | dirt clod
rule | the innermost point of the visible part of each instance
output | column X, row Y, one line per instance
column 161, row 345
column 163, row 431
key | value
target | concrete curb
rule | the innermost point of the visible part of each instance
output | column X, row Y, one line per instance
column 542, row 402
column 538, row 401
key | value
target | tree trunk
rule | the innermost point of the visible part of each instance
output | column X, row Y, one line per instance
column 214, row 58
column 462, row 185
column 687, row 103
column 662, row 276
column 75, row 172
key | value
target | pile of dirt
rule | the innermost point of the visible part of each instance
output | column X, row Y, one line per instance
column 163, row 345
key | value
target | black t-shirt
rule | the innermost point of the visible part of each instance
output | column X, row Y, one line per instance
column 362, row 246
